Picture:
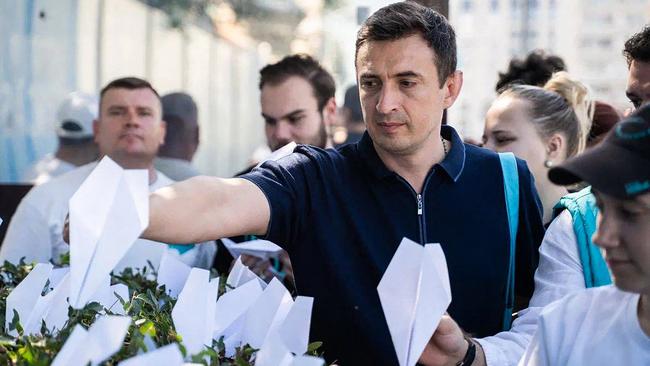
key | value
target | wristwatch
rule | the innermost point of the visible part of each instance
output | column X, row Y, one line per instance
column 469, row 355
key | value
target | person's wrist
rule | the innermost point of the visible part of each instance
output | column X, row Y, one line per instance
column 468, row 354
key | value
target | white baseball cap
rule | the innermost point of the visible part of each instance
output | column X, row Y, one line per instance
column 74, row 119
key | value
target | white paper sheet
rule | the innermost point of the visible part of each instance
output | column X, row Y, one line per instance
column 262, row 249
column 108, row 213
column 169, row 355
column 414, row 293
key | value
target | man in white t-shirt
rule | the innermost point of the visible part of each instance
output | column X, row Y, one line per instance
column 607, row 325
column 74, row 129
column 129, row 130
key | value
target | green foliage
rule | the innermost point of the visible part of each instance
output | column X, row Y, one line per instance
column 148, row 305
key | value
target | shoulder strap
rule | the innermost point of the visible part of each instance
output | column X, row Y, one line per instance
column 582, row 207
column 511, row 190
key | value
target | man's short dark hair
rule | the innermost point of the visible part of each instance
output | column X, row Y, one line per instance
column 303, row 66
column 130, row 83
column 536, row 69
column 405, row 19
column 637, row 48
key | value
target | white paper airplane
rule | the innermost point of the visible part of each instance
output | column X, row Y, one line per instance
column 266, row 314
column 262, row 249
column 275, row 353
column 280, row 153
column 232, row 307
column 172, row 273
column 414, row 293
column 194, row 312
column 108, row 213
column 240, row 274
column 26, row 297
column 104, row 337
column 169, row 355
column 294, row 330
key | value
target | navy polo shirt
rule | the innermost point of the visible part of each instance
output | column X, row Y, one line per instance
column 341, row 215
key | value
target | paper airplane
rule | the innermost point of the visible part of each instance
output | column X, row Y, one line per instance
column 280, row 153
column 168, row 355
column 266, row 314
column 172, row 273
column 414, row 293
column 108, row 213
column 294, row 330
column 240, row 274
column 26, row 298
column 194, row 312
column 262, row 249
column 275, row 353
column 104, row 337
column 232, row 307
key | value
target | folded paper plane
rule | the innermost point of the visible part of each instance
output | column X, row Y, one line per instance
column 108, row 213
column 414, row 293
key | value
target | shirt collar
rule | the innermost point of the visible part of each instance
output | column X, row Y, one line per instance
column 452, row 165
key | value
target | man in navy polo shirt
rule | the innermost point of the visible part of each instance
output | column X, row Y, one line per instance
column 342, row 213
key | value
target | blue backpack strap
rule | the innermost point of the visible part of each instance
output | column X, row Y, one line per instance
column 582, row 207
column 511, row 190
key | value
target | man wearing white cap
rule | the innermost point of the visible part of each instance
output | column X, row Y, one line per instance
column 74, row 128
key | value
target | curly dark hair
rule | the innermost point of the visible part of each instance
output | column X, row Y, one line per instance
column 638, row 47
column 536, row 69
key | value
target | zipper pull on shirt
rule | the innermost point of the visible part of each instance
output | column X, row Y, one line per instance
column 419, row 204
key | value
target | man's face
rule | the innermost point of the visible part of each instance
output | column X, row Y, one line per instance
column 624, row 235
column 129, row 128
column 400, row 94
column 290, row 112
column 638, row 83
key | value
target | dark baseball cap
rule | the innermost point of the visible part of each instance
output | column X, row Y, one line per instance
column 619, row 166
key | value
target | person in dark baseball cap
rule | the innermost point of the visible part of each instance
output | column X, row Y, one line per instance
column 607, row 325
column 619, row 166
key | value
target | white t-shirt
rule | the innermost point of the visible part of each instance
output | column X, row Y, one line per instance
column 45, row 169
column 598, row 326
column 559, row 273
column 35, row 231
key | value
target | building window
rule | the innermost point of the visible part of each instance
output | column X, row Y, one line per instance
column 467, row 6
column 494, row 5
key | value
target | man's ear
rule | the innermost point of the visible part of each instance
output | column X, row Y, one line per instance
column 329, row 113
column 95, row 130
column 163, row 132
column 452, row 87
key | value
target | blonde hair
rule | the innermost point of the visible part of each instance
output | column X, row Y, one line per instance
column 561, row 106
column 576, row 94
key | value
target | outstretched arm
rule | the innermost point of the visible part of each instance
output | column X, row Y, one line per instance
column 206, row 208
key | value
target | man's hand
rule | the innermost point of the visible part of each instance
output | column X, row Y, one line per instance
column 447, row 346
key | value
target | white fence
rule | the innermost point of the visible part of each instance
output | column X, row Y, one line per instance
column 51, row 47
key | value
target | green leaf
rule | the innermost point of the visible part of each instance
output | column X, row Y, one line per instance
column 148, row 328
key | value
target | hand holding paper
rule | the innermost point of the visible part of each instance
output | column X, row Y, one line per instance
column 414, row 294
